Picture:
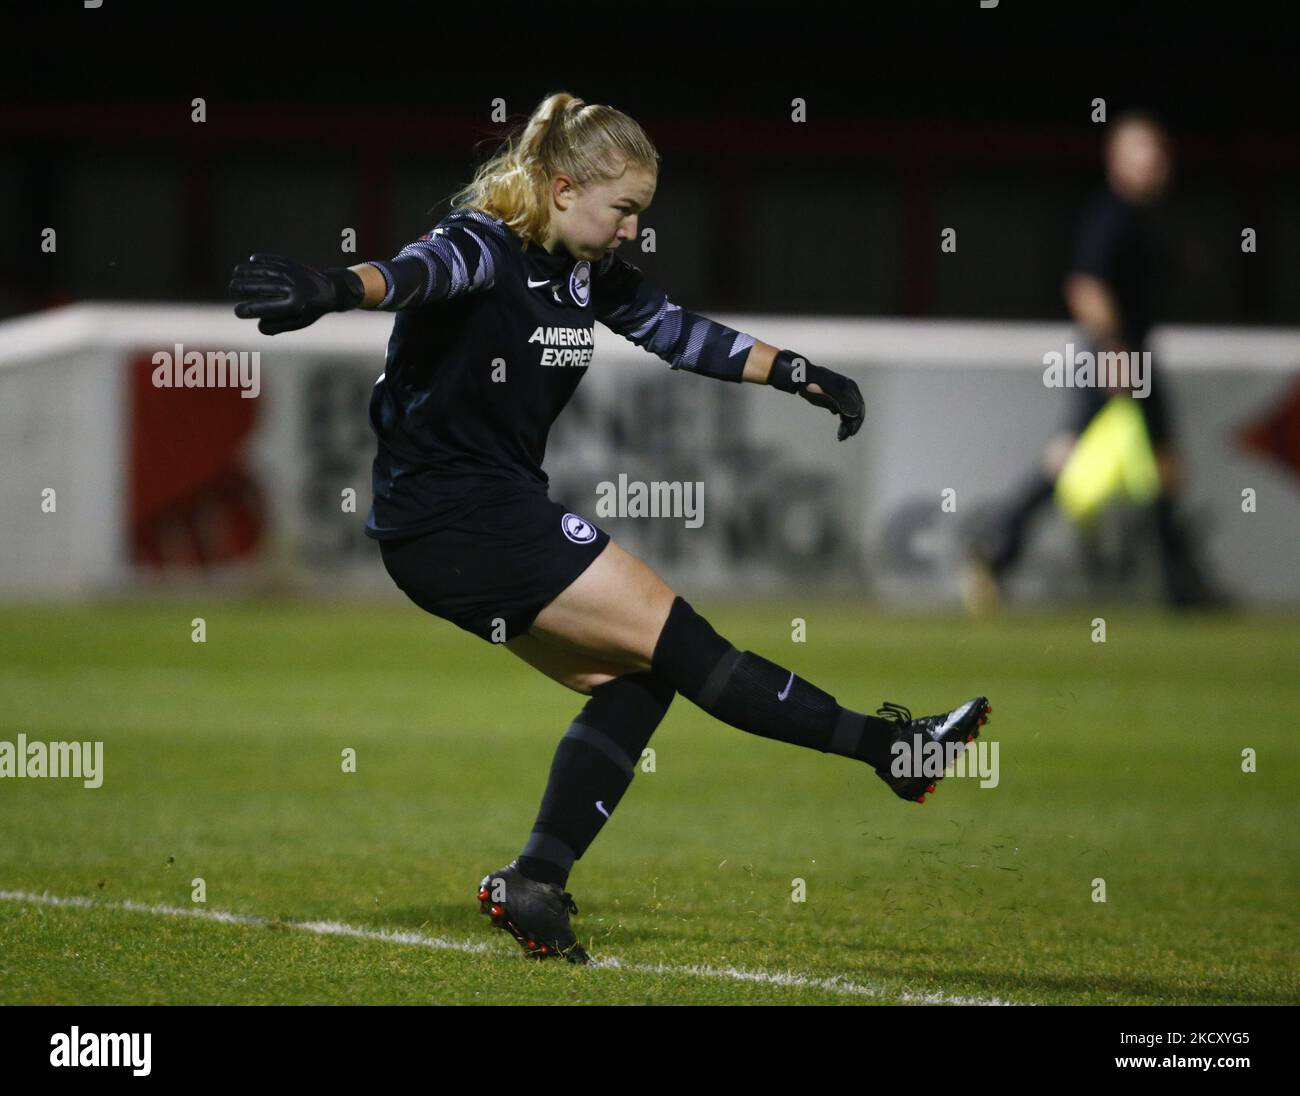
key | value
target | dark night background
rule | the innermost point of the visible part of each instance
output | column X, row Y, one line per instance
column 937, row 115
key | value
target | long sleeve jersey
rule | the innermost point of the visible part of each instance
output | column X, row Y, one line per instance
column 490, row 340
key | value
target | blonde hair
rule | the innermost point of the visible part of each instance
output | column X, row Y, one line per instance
column 591, row 143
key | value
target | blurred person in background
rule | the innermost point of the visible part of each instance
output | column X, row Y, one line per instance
column 1112, row 292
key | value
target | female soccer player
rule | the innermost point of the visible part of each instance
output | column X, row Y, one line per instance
column 495, row 309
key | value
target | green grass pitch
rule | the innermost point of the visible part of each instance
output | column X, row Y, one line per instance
column 1119, row 761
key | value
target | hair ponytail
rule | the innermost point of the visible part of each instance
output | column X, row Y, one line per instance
column 589, row 142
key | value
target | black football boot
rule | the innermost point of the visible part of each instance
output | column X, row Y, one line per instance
column 960, row 725
column 536, row 914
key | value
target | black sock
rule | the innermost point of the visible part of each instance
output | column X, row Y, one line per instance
column 758, row 696
column 592, row 768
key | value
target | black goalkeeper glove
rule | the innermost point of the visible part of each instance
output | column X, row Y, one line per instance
column 839, row 394
column 287, row 295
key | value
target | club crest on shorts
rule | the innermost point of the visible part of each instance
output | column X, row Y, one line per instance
column 577, row 529
column 580, row 283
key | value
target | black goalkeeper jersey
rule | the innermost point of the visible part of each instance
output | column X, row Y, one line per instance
column 490, row 340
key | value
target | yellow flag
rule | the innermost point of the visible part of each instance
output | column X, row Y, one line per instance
column 1113, row 457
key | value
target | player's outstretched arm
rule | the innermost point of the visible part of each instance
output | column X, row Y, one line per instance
column 455, row 258
column 372, row 281
column 284, row 295
column 791, row 372
column 644, row 315
column 766, row 364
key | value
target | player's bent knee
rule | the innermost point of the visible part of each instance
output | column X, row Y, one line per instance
column 584, row 681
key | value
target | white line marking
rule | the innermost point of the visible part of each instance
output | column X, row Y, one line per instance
column 834, row 984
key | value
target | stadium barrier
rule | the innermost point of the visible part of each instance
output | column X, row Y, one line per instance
column 111, row 482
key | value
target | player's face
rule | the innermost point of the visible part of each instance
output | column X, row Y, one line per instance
column 1138, row 161
column 592, row 221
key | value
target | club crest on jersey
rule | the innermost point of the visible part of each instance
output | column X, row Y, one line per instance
column 580, row 283
column 577, row 529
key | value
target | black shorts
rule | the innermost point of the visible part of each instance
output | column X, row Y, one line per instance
column 494, row 569
column 1154, row 407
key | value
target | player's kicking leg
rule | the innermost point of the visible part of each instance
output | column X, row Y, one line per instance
column 619, row 608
